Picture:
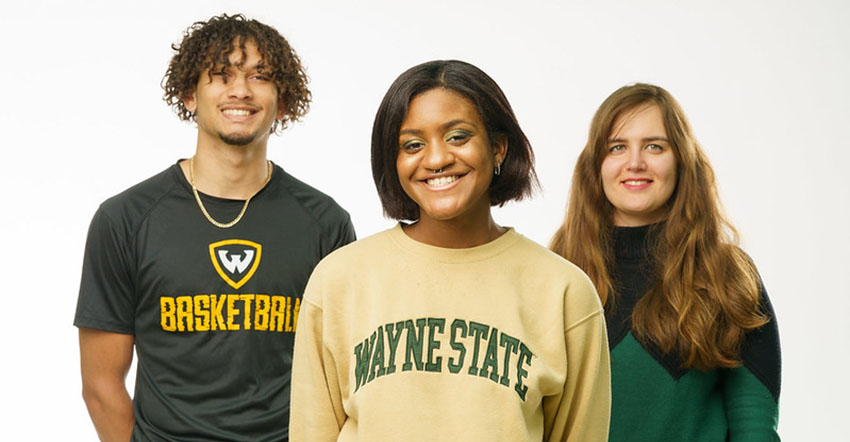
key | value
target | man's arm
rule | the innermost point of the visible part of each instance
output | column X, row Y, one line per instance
column 105, row 358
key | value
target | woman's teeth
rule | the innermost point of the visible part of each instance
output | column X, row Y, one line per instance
column 441, row 181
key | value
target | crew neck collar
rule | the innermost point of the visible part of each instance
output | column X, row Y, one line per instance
column 184, row 182
column 447, row 255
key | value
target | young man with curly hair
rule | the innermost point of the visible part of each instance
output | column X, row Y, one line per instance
column 201, row 268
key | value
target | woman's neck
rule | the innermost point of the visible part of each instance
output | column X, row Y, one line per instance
column 456, row 233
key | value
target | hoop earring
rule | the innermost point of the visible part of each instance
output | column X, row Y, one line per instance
column 498, row 169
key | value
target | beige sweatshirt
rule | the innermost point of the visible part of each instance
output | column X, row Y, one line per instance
column 401, row 341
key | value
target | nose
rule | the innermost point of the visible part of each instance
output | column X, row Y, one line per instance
column 636, row 160
column 239, row 88
column 438, row 155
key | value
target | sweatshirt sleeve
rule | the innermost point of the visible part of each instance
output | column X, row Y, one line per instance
column 751, row 392
column 583, row 411
column 316, row 412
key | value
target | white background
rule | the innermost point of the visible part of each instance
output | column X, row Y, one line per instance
column 763, row 82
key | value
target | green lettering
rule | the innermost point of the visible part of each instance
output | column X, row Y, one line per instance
column 377, row 356
column 433, row 344
column 363, row 353
column 457, row 324
column 490, row 357
column 480, row 332
column 393, row 339
column 524, row 354
column 510, row 343
column 414, row 344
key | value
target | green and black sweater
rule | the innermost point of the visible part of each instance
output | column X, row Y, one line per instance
column 655, row 399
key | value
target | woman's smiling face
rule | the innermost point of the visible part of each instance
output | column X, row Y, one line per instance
column 639, row 171
column 446, row 160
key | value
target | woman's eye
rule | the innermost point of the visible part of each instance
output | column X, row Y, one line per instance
column 412, row 145
column 457, row 136
column 617, row 148
column 654, row 147
column 260, row 77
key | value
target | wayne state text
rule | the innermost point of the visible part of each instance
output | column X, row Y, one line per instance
column 274, row 313
column 478, row 350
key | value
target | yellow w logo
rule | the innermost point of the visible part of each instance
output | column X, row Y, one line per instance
column 235, row 260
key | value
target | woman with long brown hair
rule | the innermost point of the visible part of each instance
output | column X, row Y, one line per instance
column 694, row 343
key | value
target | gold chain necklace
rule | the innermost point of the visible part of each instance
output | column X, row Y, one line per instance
column 204, row 209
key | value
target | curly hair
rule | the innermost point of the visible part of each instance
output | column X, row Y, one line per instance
column 208, row 44
column 706, row 294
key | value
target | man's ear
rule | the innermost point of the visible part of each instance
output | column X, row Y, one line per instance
column 281, row 110
column 190, row 103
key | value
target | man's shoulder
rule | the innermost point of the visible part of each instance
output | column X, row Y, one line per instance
column 317, row 203
column 136, row 202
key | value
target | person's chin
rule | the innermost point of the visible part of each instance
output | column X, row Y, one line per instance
column 237, row 139
column 442, row 213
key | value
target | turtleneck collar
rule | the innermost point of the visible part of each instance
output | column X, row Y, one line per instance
column 633, row 243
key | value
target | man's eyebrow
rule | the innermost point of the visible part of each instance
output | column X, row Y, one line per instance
column 260, row 66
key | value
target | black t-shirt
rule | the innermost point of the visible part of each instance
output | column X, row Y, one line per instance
column 213, row 311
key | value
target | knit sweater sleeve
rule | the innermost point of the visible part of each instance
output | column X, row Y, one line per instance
column 751, row 391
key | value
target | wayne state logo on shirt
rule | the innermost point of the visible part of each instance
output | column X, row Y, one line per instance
column 235, row 260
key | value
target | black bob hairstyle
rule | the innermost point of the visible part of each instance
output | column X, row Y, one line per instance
column 517, row 179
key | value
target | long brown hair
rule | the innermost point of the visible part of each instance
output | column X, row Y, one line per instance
column 706, row 294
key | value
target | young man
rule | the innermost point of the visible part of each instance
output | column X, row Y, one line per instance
column 202, row 267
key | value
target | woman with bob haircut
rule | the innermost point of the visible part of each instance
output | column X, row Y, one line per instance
column 693, row 338
column 449, row 326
